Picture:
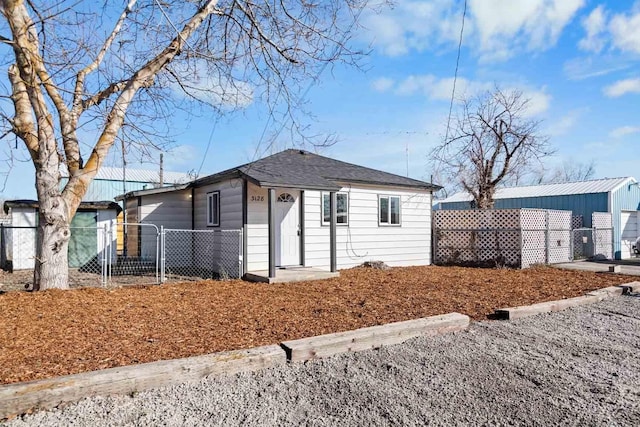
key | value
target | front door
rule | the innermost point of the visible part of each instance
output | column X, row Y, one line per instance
column 287, row 228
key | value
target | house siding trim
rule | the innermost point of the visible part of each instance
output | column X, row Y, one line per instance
column 245, row 219
column 302, row 232
column 271, row 221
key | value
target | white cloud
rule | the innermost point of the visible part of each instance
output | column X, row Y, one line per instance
column 410, row 25
column 594, row 24
column 539, row 101
column 622, row 87
column 565, row 123
column 584, row 68
column 197, row 82
column 495, row 29
column 621, row 31
column 180, row 156
column 624, row 131
column 506, row 27
column 439, row 89
column 625, row 31
column 383, row 84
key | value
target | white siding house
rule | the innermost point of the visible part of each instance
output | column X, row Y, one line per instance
column 364, row 238
column 282, row 206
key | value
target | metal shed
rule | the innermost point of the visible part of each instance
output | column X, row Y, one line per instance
column 618, row 196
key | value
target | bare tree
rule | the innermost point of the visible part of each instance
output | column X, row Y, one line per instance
column 492, row 138
column 82, row 75
column 567, row 172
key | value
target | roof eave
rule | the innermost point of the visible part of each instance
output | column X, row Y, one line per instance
column 266, row 184
column 628, row 180
column 423, row 186
column 217, row 177
column 97, row 205
column 151, row 191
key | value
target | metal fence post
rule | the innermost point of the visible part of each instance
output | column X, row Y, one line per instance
column 571, row 245
column 105, row 250
column 612, row 243
column 162, row 254
column 240, row 254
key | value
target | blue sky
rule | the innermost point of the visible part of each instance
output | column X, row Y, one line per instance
column 578, row 61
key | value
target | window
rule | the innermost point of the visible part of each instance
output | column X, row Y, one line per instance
column 342, row 208
column 389, row 210
column 213, row 209
column 286, row 198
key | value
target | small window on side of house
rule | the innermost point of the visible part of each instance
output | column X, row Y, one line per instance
column 213, row 209
column 388, row 210
column 342, row 209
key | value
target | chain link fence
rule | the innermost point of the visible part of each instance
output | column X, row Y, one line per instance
column 592, row 243
column 201, row 254
column 129, row 253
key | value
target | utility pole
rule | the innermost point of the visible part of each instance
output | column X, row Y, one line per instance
column 407, row 153
column 161, row 169
column 124, row 204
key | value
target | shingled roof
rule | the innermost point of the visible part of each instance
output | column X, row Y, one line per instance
column 302, row 169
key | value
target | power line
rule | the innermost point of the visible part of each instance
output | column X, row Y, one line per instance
column 455, row 75
column 306, row 91
column 206, row 151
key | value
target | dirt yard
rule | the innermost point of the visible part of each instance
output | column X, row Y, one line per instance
column 52, row 333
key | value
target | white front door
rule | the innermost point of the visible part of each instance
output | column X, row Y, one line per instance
column 287, row 228
column 630, row 232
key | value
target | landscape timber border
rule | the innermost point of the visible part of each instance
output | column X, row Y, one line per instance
column 512, row 313
column 20, row 398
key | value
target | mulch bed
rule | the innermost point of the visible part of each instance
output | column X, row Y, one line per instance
column 51, row 333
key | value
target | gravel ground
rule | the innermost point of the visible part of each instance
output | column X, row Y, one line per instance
column 576, row 367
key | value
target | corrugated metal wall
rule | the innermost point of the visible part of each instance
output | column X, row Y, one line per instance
column 579, row 204
column 100, row 189
column 625, row 198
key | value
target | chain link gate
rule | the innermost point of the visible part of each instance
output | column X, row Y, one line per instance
column 134, row 252
column 592, row 243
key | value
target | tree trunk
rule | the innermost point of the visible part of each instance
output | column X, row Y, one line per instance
column 485, row 199
column 51, row 263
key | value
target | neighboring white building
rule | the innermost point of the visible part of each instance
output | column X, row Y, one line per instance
column 282, row 205
column 18, row 242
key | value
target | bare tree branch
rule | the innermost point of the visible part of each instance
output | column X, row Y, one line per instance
column 225, row 54
column 493, row 139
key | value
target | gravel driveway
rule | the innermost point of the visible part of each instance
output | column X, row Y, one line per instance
column 577, row 367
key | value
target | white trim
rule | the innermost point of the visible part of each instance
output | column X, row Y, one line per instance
column 211, row 221
column 388, row 223
column 338, row 193
column 629, row 180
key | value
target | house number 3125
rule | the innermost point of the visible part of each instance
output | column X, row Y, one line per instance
column 257, row 198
